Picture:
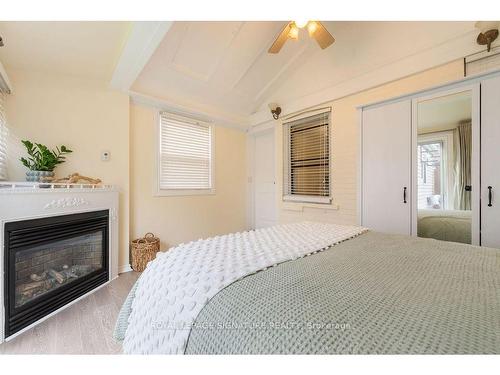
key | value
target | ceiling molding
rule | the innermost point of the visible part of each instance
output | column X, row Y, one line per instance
column 143, row 40
column 216, row 62
column 190, row 110
column 262, row 51
column 444, row 53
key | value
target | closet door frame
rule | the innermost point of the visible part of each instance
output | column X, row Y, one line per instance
column 475, row 90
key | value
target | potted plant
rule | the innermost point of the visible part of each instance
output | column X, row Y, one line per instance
column 41, row 161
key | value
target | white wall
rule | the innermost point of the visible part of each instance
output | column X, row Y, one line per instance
column 177, row 219
column 345, row 137
column 82, row 114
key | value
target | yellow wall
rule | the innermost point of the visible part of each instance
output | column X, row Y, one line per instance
column 85, row 116
column 345, row 151
column 180, row 219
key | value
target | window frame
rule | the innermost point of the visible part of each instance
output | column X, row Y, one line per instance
column 445, row 137
column 158, row 191
column 296, row 198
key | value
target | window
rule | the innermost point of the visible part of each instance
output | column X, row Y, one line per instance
column 435, row 174
column 430, row 175
column 307, row 159
column 3, row 139
column 185, row 156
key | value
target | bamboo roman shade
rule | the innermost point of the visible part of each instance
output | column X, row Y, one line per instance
column 3, row 139
column 185, row 153
column 307, row 156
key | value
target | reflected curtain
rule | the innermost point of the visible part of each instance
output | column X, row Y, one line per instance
column 462, row 139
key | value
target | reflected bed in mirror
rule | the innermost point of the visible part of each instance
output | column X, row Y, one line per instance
column 444, row 149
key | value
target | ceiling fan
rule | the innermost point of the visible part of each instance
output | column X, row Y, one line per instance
column 291, row 31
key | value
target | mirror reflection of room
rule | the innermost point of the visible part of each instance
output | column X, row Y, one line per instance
column 444, row 149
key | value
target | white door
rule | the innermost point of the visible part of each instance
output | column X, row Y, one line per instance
column 490, row 162
column 265, row 180
column 386, row 168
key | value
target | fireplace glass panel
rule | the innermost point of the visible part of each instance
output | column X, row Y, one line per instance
column 41, row 269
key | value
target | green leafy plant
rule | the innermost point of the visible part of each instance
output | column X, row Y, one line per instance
column 40, row 158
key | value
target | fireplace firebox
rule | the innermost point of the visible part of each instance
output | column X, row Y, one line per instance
column 50, row 262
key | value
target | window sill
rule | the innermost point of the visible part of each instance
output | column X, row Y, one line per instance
column 180, row 193
column 299, row 207
column 307, row 199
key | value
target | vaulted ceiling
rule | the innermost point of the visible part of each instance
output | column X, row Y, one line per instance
column 222, row 69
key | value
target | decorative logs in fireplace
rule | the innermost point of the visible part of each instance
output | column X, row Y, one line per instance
column 39, row 284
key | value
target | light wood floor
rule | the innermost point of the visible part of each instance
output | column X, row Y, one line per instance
column 83, row 328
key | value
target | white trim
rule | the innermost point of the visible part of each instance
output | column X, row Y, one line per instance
column 307, row 199
column 446, row 137
column 193, row 110
column 305, row 114
column 285, row 156
column 359, row 196
column 270, row 127
column 143, row 40
column 157, row 191
column 124, row 268
column 436, row 90
column 444, row 90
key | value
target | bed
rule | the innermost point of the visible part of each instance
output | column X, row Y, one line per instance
column 372, row 293
column 445, row 225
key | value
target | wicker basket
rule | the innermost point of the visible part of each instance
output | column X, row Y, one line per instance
column 144, row 250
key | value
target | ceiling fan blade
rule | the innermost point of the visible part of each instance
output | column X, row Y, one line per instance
column 280, row 40
column 322, row 36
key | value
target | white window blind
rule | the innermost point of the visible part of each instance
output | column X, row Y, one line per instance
column 3, row 138
column 307, row 159
column 185, row 154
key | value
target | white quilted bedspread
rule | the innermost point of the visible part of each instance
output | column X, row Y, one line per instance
column 178, row 284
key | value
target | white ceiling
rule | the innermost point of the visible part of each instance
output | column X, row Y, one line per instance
column 88, row 49
column 445, row 111
column 224, row 67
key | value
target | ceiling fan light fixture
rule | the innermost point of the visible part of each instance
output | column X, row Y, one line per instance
column 301, row 23
column 294, row 32
column 312, row 27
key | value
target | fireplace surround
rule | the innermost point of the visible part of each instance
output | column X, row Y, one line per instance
column 52, row 261
column 57, row 244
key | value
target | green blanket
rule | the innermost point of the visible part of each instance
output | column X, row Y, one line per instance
column 376, row 293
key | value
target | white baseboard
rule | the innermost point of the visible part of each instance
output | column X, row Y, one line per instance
column 124, row 268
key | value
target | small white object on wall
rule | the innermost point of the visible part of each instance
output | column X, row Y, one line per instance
column 105, row 155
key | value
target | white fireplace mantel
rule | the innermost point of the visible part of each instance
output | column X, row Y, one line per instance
column 24, row 201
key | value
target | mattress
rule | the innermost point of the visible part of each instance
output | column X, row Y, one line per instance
column 373, row 294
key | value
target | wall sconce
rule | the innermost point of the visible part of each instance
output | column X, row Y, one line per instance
column 275, row 110
column 489, row 32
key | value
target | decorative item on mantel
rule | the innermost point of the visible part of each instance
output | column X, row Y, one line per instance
column 41, row 161
column 76, row 178
column 144, row 250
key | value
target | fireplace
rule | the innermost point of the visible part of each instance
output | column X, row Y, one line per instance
column 50, row 262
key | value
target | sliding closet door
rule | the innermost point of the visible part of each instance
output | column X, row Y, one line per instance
column 386, row 153
column 490, row 162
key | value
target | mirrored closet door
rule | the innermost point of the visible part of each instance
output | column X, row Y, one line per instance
column 445, row 170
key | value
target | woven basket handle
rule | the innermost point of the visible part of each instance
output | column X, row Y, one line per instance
column 149, row 235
